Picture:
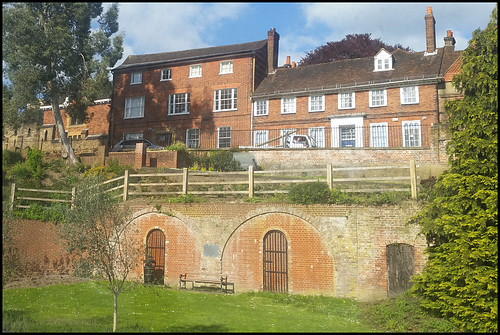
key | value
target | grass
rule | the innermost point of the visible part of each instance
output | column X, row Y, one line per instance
column 87, row 307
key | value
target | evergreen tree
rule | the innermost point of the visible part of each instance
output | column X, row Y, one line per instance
column 460, row 280
column 51, row 52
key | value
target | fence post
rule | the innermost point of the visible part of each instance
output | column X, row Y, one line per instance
column 125, row 186
column 12, row 196
column 329, row 175
column 73, row 196
column 413, row 179
column 250, row 181
column 184, row 181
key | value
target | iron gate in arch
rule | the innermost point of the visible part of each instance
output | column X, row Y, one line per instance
column 275, row 262
column 155, row 250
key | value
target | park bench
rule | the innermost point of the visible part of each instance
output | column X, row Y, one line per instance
column 205, row 279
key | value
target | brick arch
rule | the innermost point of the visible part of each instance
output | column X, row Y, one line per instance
column 310, row 262
column 183, row 248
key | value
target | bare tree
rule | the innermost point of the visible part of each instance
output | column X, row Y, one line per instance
column 97, row 230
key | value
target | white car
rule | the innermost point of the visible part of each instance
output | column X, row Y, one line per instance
column 300, row 141
column 130, row 145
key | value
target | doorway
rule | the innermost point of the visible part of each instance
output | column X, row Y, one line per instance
column 275, row 262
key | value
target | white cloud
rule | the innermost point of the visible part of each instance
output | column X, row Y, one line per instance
column 162, row 27
column 397, row 23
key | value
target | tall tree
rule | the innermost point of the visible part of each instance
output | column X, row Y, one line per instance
column 352, row 46
column 51, row 52
column 97, row 231
column 460, row 280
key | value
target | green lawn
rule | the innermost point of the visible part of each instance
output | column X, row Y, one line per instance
column 88, row 307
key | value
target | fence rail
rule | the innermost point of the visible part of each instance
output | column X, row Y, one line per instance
column 246, row 182
column 23, row 191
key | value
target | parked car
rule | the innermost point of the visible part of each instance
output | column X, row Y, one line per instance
column 300, row 141
column 130, row 145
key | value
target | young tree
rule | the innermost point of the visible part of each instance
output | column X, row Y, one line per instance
column 50, row 53
column 352, row 46
column 98, row 233
column 460, row 280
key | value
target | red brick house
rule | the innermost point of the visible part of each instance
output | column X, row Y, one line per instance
column 389, row 100
column 235, row 95
column 200, row 97
column 98, row 124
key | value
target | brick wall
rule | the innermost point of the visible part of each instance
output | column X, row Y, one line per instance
column 335, row 250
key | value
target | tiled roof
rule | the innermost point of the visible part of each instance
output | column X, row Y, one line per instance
column 190, row 55
column 355, row 73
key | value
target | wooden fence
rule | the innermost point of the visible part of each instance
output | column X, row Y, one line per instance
column 250, row 183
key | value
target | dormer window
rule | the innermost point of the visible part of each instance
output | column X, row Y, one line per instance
column 382, row 61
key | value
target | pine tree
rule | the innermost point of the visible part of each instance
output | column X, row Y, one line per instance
column 460, row 280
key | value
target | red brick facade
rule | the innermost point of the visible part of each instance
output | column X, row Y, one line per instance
column 334, row 250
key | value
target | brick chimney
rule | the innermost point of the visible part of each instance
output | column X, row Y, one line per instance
column 430, row 32
column 449, row 40
column 273, row 39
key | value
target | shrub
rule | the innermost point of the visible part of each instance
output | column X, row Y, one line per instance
column 309, row 193
column 9, row 158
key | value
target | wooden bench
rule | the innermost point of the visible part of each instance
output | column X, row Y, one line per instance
column 209, row 279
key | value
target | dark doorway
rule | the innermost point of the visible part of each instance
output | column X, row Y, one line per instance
column 155, row 250
column 400, row 268
column 275, row 262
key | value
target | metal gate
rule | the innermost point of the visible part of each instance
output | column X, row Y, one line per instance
column 275, row 262
column 400, row 268
column 155, row 249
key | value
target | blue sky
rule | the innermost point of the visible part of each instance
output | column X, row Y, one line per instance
column 162, row 27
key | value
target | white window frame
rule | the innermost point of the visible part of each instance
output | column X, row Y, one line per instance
column 166, row 73
column 379, row 135
column 261, row 108
column 409, row 97
column 343, row 96
column 316, row 106
column 382, row 61
column 383, row 104
column 318, row 134
column 173, row 102
column 133, row 136
column 221, row 132
column 337, row 123
column 408, row 126
column 136, row 78
column 219, row 97
column 195, row 71
column 196, row 139
column 226, row 67
column 284, row 139
column 127, row 113
column 288, row 105
column 262, row 136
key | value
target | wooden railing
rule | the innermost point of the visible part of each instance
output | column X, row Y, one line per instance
column 248, row 183
column 24, row 191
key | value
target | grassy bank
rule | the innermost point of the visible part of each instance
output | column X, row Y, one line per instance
column 87, row 307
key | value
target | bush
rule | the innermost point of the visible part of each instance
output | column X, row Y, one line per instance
column 9, row 158
column 309, row 193
column 222, row 161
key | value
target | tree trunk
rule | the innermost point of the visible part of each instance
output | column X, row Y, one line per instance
column 66, row 148
column 115, row 312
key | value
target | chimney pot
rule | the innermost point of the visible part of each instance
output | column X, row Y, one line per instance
column 449, row 33
column 293, row 64
column 429, row 10
column 287, row 60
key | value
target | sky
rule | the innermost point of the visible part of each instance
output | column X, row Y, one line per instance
column 165, row 26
